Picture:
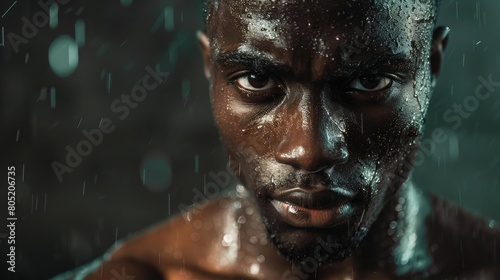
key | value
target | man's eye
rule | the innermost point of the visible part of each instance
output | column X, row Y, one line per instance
column 370, row 83
column 256, row 82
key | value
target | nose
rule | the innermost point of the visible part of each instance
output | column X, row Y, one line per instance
column 311, row 138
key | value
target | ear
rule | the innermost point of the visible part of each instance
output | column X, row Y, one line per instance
column 439, row 43
column 205, row 50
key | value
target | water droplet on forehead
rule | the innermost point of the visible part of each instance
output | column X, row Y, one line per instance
column 237, row 204
column 227, row 240
column 254, row 269
column 261, row 258
column 195, row 236
column 249, row 211
column 413, row 238
column 198, row 224
column 253, row 240
column 242, row 220
column 240, row 188
column 401, row 215
column 393, row 224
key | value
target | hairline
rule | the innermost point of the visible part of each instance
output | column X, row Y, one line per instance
column 206, row 4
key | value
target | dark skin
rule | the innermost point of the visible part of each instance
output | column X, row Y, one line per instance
column 320, row 105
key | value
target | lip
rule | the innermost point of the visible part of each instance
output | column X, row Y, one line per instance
column 322, row 199
column 320, row 209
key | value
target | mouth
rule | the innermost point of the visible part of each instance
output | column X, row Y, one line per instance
column 320, row 209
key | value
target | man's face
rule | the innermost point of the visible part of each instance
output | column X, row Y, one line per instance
column 320, row 105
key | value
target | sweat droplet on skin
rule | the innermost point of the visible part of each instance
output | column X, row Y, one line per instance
column 195, row 236
column 254, row 240
column 198, row 224
column 241, row 220
column 227, row 240
column 254, row 269
column 249, row 211
column 393, row 224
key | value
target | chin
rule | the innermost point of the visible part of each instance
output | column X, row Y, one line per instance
column 313, row 245
column 319, row 246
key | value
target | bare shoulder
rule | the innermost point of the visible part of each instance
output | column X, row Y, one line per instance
column 106, row 268
column 173, row 239
column 462, row 243
column 182, row 241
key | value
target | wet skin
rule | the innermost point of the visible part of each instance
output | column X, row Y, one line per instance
column 451, row 244
column 320, row 133
column 320, row 105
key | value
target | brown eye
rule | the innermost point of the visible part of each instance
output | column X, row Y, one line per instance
column 370, row 83
column 256, row 82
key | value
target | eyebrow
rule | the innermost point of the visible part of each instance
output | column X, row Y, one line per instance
column 264, row 63
column 381, row 61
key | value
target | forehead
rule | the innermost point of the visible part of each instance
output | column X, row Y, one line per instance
column 327, row 28
column 315, row 13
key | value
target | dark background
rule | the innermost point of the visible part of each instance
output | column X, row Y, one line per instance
column 171, row 136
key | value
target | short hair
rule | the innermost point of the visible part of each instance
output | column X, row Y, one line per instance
column 206, row 7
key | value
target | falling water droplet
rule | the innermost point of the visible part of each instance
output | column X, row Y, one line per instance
column 63, row 56
column 492, row 223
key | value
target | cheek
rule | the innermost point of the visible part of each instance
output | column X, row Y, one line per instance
column 227, row 117
column 400, row 119
column 247, row 133
column 385, row 138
